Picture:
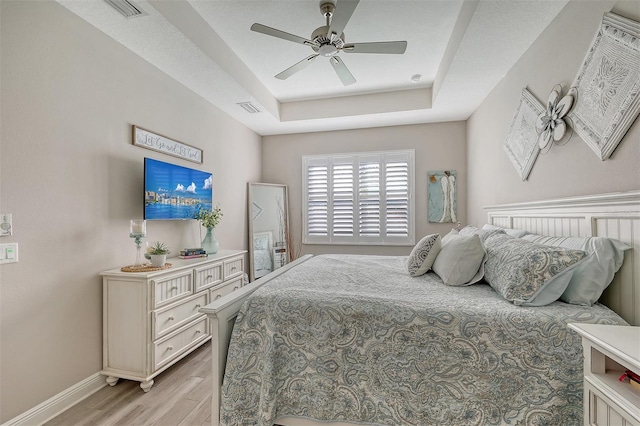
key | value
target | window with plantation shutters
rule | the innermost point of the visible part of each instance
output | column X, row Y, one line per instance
column 360, row 198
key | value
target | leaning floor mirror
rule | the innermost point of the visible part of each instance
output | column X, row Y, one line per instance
column 268, row 228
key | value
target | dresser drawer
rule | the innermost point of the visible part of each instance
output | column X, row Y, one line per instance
column 208, row 276
column 233, row 267
column 218, row 292
column 605, row 412
column 171, row 288
column 176, row 343
column 172, row 317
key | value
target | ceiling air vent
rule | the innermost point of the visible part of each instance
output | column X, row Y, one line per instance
column 126, row 8
column 249, row 107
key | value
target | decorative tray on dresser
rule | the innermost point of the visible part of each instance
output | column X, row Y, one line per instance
column 151, row 320
column 609, row 351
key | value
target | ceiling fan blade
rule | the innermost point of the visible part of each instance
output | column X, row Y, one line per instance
column 295, row 68
column 259, row 28
column 396, row 47
column 342, row 14
column 343, row 72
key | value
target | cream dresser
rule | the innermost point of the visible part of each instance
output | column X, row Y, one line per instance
column 151, row 320
column 609, row 350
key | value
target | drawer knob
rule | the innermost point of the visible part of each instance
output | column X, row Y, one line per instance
column 198, row 331
column 218, row 296
column 197, row 305
column 169, row 348
column 235, row 288
column 209, row 277
column 171, row 318
column 233, row 268
column 173, row 288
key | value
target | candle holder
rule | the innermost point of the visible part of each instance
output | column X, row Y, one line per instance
column 137, row 231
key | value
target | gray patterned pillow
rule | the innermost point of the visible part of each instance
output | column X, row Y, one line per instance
column 593, row 275
column 526, row 273
column 424, row 254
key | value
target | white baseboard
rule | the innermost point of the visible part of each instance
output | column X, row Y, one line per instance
column 57, row 404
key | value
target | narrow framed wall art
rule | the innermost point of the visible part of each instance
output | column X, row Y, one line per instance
column 442, row 202
column 156, row 142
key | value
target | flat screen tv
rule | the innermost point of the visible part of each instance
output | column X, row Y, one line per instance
column 174, row 192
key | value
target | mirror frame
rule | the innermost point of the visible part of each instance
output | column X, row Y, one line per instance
column 250, row 196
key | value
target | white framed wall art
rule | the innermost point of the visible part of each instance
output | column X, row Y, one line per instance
column 608, row 85
column 521, row 144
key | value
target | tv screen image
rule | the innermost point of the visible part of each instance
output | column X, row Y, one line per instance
column 174, row 192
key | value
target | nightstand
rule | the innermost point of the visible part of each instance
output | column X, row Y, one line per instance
column 609, row 350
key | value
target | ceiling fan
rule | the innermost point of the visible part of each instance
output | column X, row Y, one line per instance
column 329, row 40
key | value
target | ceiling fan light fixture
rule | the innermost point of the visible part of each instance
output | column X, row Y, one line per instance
column 327, row 50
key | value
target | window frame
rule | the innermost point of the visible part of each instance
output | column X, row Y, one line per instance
column 356, row 159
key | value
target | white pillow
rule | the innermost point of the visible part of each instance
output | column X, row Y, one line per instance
column 518, row 233
column 423, row 255
column 461, row 260
column 593, row 275
column 449, row 236
column 482, row 233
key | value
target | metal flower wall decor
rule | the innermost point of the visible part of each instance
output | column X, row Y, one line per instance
column 551, row 124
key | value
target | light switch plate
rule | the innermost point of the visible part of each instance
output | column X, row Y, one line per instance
column 9, row 253
column 6, row 226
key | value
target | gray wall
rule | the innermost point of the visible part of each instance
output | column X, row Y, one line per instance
column 569, row 170
column 438, row 146
column 73, row 180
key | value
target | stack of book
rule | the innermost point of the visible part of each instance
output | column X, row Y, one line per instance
column 192, row 253
column 632, row 378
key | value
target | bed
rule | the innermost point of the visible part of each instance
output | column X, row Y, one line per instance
column 355, row 339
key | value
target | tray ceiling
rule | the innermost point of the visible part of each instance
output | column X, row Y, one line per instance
column 461, row 50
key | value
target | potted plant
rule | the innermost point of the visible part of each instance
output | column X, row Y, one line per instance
column 209, row 219
column 158, row 252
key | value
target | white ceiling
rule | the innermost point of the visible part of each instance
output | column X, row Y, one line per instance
column 460, row 48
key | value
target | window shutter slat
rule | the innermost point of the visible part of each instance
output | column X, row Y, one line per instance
column 369, row 197
column 317, row 200
column 342, row 178
column 397, row 198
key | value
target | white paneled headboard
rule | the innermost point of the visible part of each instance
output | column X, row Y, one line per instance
column 615, row 215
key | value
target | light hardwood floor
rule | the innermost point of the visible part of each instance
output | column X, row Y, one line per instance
column 181, row 396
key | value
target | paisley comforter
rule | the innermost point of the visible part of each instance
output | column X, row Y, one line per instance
column 355, row 338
